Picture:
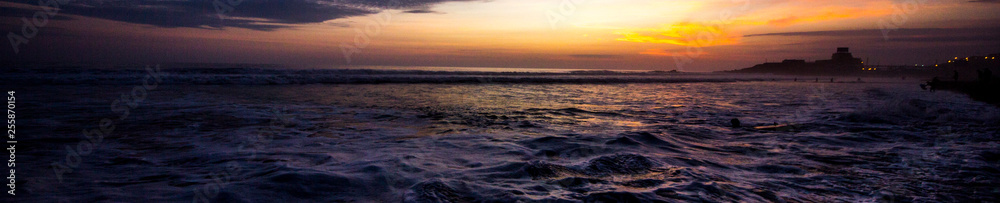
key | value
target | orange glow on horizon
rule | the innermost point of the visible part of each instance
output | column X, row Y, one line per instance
column 683, row 34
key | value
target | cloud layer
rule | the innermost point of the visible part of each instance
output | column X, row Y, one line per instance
column 251, row 14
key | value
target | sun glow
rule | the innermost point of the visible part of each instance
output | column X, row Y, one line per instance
column 683, row 34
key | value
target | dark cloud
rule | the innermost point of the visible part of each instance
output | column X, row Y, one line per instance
column 914, row 35
column 25, row 13
column 251, row 14
column 985, row 1
column 421, row 11
column 814, row 33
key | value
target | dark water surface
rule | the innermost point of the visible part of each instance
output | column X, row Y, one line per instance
column 844, row 142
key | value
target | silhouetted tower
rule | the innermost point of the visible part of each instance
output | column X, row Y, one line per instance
column 843, row 60
column 843, row 55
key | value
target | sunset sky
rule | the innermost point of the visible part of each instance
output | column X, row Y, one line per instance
column 604, row 34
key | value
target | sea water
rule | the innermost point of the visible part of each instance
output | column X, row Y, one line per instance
column 257, row 135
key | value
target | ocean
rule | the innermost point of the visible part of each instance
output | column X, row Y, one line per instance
column 388, row 135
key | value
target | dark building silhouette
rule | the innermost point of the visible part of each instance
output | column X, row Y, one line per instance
column 841, row 63
column 842, row 59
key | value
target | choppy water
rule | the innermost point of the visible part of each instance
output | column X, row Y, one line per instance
column 472, row 142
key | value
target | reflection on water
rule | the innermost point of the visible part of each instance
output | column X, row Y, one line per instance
column 506, row 142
